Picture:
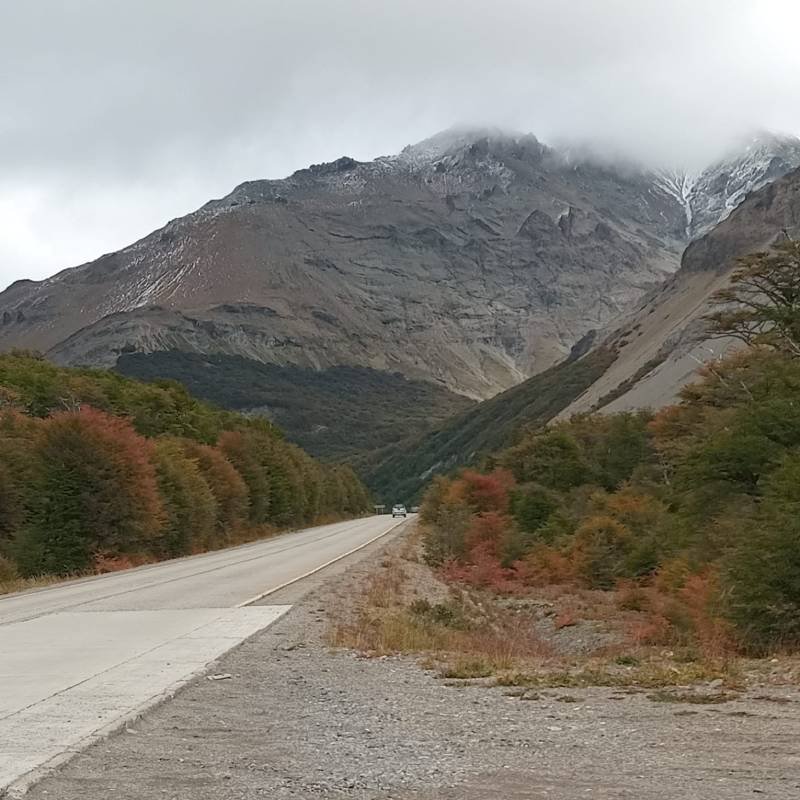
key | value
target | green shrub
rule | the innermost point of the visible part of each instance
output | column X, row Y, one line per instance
column 95, row 491
column 532, row 506
column 190, row 509
column 761, row 575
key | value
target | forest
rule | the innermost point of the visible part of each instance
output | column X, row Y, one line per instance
column 100, row 472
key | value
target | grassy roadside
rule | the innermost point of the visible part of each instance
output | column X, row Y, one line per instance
column 556, row 637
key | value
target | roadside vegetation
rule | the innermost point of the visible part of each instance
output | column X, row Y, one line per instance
column 627, row 549
column 99, row 472
column 692, row 513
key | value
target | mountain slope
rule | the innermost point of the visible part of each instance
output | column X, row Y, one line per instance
column 466, row 260
column 661, row 344
column 323, row 411
column 470, row 437
column 710, row 195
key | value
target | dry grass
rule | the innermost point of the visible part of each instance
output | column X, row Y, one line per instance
column 458, row 635
column 12, row 584
column 474, row 635
column 646, row 676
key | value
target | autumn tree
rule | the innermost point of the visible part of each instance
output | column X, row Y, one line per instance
column 287, row 494
column 762, row 571
column 490, row 492
column 244, row 452
column 600, row 549
column 95, row 491
column 446, row 520
column 226, row 484
column 18, row 434
column 189, row 505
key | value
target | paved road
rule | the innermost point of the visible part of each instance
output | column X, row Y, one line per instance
column 78, row 659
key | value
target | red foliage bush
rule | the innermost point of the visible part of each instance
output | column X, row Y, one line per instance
column 484, row 571
column 486, row 493
column 488, row 533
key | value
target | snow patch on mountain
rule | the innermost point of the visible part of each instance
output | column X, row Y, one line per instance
column 710, row 195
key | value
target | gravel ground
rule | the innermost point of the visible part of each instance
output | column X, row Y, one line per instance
column 296, row 720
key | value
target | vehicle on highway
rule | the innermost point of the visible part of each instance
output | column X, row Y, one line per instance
column 399, row 511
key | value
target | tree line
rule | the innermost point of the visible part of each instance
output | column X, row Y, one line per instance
column 98, row 471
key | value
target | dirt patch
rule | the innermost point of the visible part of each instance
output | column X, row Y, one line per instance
column 298, row 719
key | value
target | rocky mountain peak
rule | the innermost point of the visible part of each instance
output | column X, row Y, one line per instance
column 469, row 141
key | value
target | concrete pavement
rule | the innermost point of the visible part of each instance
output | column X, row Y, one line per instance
column 79, row 659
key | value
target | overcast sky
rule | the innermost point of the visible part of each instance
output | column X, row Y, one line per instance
column 116, row 115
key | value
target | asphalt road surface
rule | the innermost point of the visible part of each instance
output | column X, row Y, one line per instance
column 79, row 659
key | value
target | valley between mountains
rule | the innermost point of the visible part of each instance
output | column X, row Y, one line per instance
column 408, row 315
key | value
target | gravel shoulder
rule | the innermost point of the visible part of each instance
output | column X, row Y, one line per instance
column 298, row 720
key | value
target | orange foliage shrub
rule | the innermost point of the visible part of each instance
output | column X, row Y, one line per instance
column 699, row 598
column 484, row 572
column 545, row 565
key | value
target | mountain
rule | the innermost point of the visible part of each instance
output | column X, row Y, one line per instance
column 466, row 260
column 641, row 362
column 470, row 261
column 661, row 344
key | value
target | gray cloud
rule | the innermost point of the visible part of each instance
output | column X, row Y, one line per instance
column 115, row 116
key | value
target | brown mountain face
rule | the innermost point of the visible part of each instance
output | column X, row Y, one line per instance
column 472, row 260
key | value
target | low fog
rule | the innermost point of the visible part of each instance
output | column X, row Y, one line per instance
column 116, row 117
